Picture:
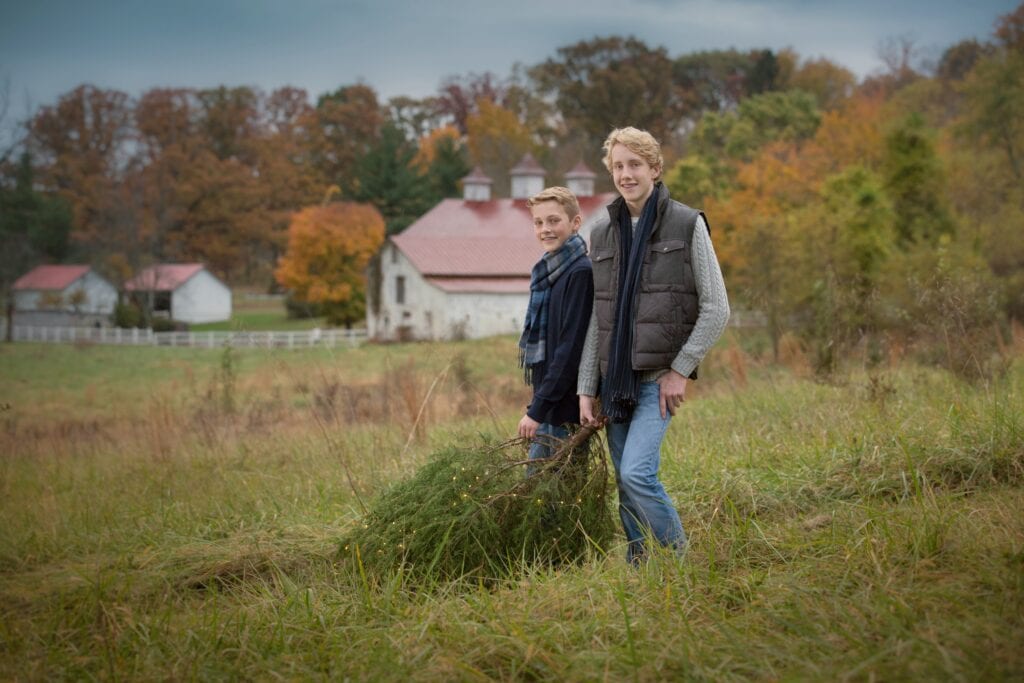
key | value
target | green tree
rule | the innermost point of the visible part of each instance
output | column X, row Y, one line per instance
column 852, row 241
column 448, row 166
column 388, row 179
column 718, row 80
column 608, row 82
column 958, row 60
column 773, row 117
column 914, row 182
column 995, row 106
column 33, row 226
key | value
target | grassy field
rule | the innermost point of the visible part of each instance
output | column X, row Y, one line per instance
column 256, row 314
column 175, row 514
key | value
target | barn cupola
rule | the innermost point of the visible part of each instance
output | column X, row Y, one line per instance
column 580, row 180
column 527, row 177
column 476, row 187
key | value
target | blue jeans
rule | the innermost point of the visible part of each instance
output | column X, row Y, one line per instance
column 645, row 508
column 544, row 444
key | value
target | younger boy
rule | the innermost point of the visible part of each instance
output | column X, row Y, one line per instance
column 561, row 300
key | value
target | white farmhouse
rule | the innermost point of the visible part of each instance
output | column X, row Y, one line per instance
column 185, row 292
column 63, row 296
column 462, row 271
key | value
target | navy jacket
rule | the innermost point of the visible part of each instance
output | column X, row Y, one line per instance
column 554, row 383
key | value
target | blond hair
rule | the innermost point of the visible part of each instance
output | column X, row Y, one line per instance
column 637, row 141
column 563, row 195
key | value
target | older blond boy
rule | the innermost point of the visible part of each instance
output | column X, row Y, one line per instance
column 660, row 303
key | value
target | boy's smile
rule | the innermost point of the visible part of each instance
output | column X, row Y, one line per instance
column 552, row 225
column 634, row 178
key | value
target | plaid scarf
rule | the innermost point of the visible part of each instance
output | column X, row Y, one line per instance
column 619, row 392
column 548, row 269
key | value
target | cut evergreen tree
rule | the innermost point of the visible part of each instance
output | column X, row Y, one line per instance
column 487, row 512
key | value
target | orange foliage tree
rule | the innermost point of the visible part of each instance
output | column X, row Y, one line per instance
column 497, row 141
column 329, row 248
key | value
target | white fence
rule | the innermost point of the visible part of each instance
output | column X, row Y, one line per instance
column 146, row 337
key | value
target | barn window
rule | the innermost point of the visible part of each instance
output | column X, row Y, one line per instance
column 400, row 289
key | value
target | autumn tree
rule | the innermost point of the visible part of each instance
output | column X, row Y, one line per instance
column 754, row 228
column 346, row 123
column 79, row 144
column 901, row 57
column 957, row 61
column 1010, row 29
column 458, row 97
column 442, row 160
column 329, row 247
column 497, row 141
column 229, row 120
column 830, row 83
column 607, row 82
column 169, row 143
column 285, row 177
column 416, row 117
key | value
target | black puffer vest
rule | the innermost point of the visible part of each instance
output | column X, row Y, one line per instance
column 667, row 306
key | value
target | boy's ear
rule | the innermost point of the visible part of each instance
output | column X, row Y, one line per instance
column 577, row 221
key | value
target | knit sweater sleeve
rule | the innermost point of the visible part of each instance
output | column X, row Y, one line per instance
column 590, row 368
column 713, row 303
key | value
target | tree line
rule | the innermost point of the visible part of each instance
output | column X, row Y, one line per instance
column 826, row 194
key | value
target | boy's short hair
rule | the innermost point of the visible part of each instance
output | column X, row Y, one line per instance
column 562, row 195
column 637, row 141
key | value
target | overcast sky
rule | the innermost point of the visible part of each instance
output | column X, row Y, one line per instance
column 406, row 47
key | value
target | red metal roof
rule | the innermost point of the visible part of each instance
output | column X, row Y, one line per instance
column 163, row 277
column 459, row 238
column 50, row 277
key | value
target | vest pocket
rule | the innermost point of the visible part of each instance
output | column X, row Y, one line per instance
column 602, row 264
column 666, row 264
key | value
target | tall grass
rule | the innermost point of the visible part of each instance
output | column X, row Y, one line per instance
column 867, row 529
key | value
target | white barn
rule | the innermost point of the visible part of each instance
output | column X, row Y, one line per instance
column 63, row 296
column 462, row 271
column 185, row 292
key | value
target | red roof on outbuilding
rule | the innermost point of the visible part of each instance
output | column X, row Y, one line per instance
column 163, row 277
column 459, row 238
column 50, row 277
